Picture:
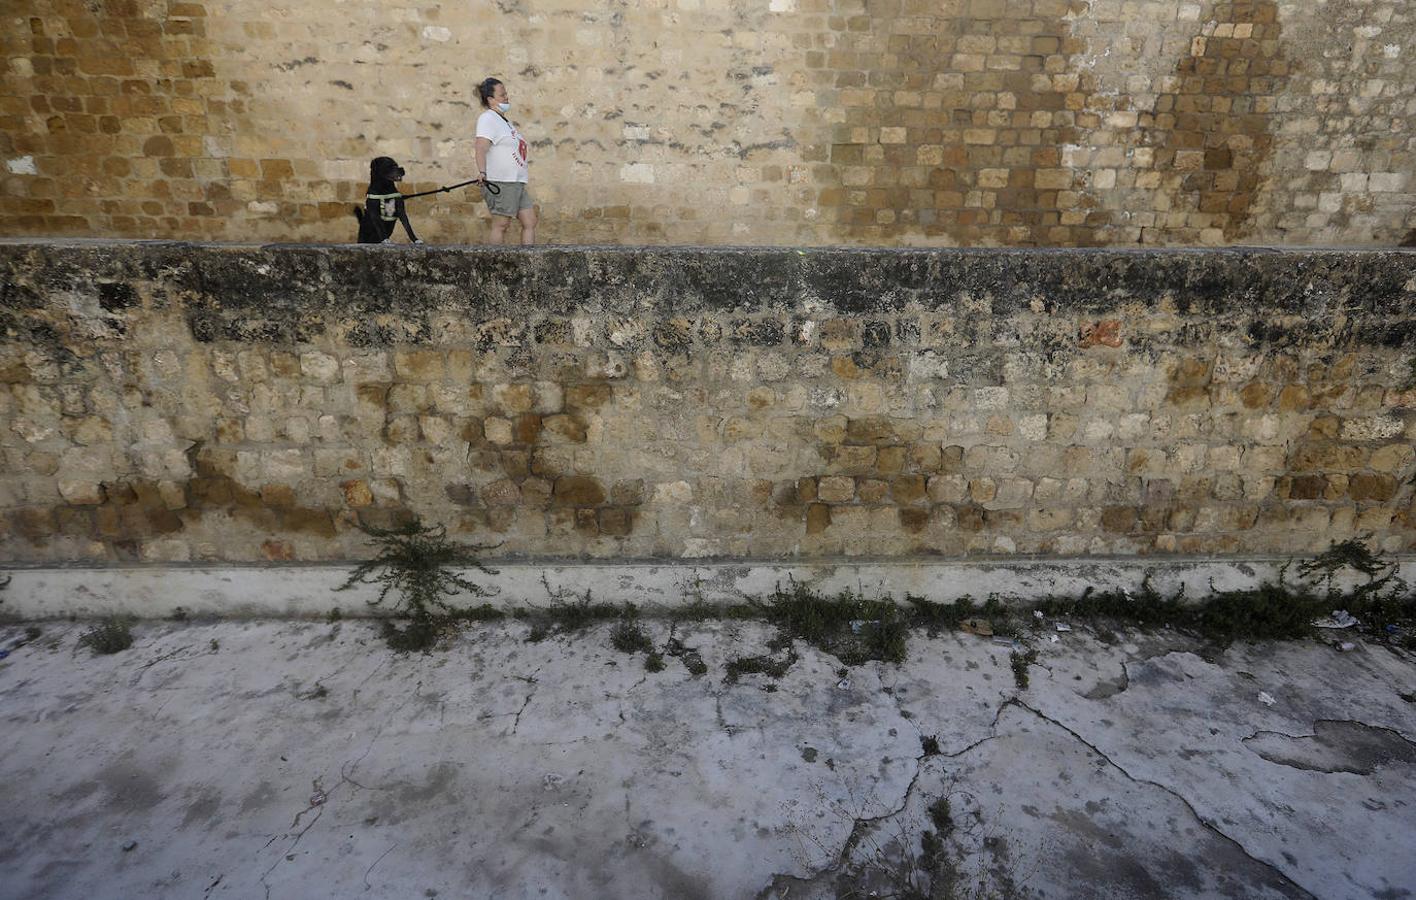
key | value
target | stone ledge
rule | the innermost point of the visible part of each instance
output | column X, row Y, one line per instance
column 212, row 282
column 308, row 590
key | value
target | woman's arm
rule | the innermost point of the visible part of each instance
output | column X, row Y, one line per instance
column 483, row 145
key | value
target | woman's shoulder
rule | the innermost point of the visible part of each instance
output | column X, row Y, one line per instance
column 488, row 116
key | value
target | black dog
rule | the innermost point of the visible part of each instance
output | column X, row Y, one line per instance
column 383, row 204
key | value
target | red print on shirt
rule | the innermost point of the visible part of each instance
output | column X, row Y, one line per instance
column 521, row 150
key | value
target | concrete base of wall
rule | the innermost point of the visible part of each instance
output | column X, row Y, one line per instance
column 158, row 591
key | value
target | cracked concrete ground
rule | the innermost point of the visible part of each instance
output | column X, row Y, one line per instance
column 304, row 760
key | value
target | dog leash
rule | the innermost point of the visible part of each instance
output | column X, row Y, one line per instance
column 490, row 186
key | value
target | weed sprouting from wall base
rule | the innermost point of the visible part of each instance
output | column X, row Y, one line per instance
column 849, row 626
column 112, row 636
column 627, row 636
column 568, row 612
column 417, row 563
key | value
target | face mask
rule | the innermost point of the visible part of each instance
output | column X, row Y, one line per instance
column 503, row 106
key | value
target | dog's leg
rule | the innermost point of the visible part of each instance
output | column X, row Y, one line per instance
column 402, row 213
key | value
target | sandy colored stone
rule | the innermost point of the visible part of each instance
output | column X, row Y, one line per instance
column 836, row 489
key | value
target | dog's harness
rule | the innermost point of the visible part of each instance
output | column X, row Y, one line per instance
column 388, row 205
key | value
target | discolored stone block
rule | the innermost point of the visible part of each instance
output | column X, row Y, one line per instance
column 969, row 517
column 588, row 396
column 1256, row 395
column 514, row 398
column 891, row 460
column 578, row 490
column 536, row 493
column 1118, row 519
column 1293, row 398
column 806, row 489
column 871, row 490
column 908, row 488
column 565, row 428
column 1366, row 486
column 627, row 493
column 914, row 519
column 870, row 430
column 528, row 428
column 515, row 463
column 951, row 460
column 316, row 522
column 419, row 365
column 616, row 521
column 1106, row 333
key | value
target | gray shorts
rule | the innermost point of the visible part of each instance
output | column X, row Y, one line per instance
column 514, row 197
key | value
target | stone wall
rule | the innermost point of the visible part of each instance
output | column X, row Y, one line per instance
column 801, row 122
column 214, row 403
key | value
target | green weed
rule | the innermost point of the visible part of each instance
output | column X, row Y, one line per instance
column 112, row 636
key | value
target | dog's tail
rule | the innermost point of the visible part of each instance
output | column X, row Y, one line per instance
column 359, row 214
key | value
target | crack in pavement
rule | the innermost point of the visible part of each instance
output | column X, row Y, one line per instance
column 370, row 869
column 319, row 798
column 1208, row 825
column 728, row 729
column 861, row 824
column 531, row 680
column 619, row 700
column 175, row 654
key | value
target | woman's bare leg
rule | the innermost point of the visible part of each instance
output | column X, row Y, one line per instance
column 528, row 221
column 498, row 234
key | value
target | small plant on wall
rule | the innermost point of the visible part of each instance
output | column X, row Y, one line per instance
column 418, row 565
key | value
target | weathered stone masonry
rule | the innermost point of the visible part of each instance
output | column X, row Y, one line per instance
column 193, row 402
column 785, row 122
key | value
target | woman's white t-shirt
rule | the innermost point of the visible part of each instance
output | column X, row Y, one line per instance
column 506, row 158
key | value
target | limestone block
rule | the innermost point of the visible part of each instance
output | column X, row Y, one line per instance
column 836, row 489
column 320, row 367
column 1374, row 428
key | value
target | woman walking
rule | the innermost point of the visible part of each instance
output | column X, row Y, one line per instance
column 501, row 159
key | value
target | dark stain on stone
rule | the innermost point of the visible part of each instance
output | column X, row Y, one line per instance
column 133, row 509
column 263, row 795
column 113, row 297
column 438, row 784
column 925, row 171
column 130, row 788
column 1335, row 746
column 294, row 64
column 1213, row 136
column 203, row 810
column 758, row 332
